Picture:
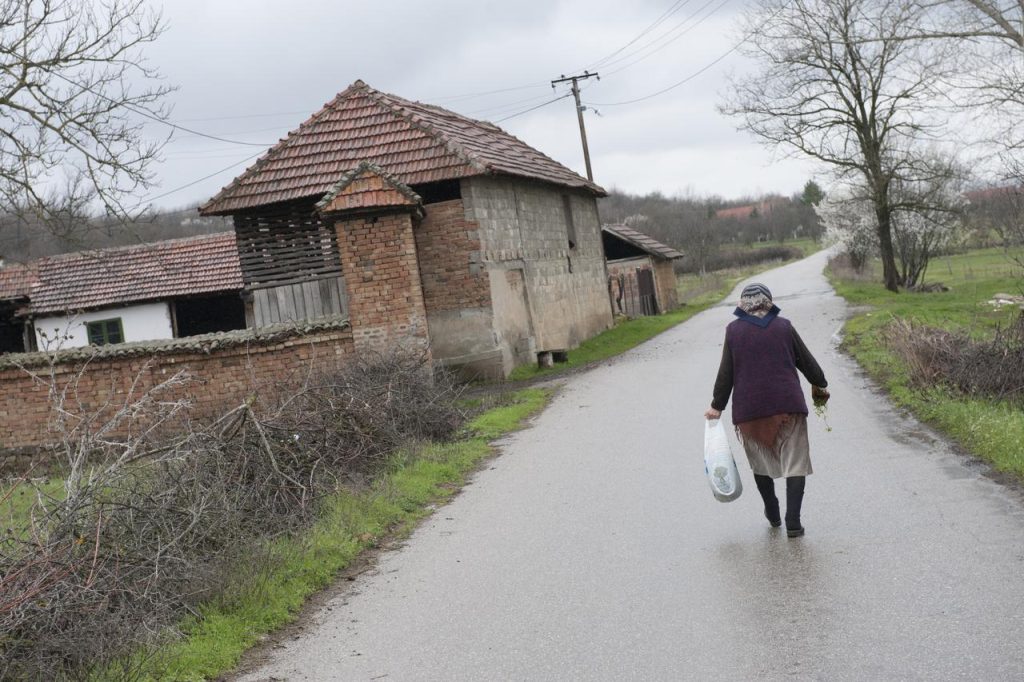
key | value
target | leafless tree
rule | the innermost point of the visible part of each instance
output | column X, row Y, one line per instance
column 839, row 82
column 74, row 92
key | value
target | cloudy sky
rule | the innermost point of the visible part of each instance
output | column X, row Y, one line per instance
column 251, row 71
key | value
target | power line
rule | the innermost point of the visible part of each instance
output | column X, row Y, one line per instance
column 205, row 177
column 693, row 75
column 526, row 111
column 674, row 85
column 682, row 33
column 675, row 7
column 146, row 114
column 473, row 95
column 508, row 106
column 233, row 118
column 667, row 38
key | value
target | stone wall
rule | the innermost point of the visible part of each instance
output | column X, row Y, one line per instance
column 226, row 367
column 525, row 226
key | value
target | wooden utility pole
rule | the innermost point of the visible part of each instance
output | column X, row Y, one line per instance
column 579, row 111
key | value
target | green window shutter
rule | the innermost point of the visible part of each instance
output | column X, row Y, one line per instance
column 103, row 332
column 115, row 334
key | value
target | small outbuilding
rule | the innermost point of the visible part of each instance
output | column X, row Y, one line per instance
column 641, row 277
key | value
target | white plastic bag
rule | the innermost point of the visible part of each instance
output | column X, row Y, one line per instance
column 719, row 465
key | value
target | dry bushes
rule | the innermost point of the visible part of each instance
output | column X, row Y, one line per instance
column 153, row 525
column 993, row 368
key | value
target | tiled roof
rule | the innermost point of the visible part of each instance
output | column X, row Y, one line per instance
column 748, row 211
column 130, row 274
column 16, row 281
column 367, row 187
column 416, row 143
column 642, row 241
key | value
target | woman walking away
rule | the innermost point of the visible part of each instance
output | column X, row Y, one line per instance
column 760, row 358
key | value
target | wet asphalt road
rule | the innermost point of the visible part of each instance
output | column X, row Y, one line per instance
column 592, row 549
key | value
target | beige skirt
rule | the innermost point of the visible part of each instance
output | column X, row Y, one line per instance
column 791, row 455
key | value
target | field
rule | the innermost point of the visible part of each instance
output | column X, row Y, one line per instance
column 991, row 429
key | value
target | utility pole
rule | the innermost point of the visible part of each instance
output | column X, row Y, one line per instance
column 579, row 111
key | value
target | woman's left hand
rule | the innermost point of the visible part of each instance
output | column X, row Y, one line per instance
column 712, row 413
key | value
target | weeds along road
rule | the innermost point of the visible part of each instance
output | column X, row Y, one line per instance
column 592, row 549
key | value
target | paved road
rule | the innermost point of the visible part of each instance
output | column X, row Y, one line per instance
column 593, row 549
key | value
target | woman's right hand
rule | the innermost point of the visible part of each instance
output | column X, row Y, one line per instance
column 712, row 413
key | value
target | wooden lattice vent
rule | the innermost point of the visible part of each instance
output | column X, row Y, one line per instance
column 285, row 245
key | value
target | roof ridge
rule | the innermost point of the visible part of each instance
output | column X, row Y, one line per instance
column 362, row 122
column 396, row 105
column 141, row 246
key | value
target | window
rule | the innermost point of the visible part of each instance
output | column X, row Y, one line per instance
column 570, row 226
column 103, row 332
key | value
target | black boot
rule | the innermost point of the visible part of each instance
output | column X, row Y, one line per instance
column 794, row 498
column 766, row 486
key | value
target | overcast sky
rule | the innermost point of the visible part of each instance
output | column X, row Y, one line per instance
column 251, row 71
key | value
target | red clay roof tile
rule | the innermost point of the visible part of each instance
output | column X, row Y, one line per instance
column 131, row 274
column 16, row 281
column 642, row 241
column 416, row 143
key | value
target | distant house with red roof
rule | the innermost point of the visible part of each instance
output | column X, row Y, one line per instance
column 420, row 226
column 746, row 212
column 144, row 292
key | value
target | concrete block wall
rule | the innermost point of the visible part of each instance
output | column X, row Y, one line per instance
column 524, row 225
column 224, row 372
column 378, row 259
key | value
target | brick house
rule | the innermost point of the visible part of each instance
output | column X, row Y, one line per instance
column 421, row 226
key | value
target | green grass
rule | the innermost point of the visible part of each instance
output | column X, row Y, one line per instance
column 18, row 497
column 992, row 430
column 214, row 640
column 696, row 292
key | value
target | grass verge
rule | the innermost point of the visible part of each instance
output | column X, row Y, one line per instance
column 990, row 429
column 216, row 638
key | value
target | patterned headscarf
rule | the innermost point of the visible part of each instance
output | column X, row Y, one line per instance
column 756, row 299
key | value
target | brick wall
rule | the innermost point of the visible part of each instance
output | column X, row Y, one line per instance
column 457, row 291
column 226, row 367
column 378, row 257
column 449, row 258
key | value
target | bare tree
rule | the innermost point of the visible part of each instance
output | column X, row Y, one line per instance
column 72, row 109
column 839, row 82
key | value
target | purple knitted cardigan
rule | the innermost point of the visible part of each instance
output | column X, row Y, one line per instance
column 765, row 380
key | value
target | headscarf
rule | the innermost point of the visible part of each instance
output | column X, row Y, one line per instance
column 756, row 299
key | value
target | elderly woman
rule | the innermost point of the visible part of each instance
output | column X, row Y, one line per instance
column 761, row 356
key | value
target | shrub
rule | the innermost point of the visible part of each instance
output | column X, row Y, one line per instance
column 992, row 368
column 151, row 526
